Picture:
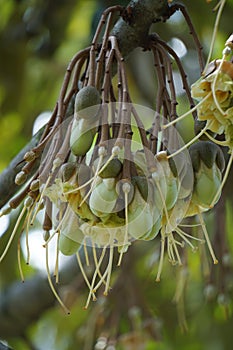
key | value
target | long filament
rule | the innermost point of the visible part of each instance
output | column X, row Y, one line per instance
column 67, row 311
column 165, row 126
column 223, row 180
column 161, row 259
column 215, row 260
column 13, row 233
column 190, row 142
column 222, row 3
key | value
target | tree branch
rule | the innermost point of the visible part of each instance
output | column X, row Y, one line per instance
column 8, row 186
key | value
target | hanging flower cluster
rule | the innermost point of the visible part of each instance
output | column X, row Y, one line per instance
column 112, row 172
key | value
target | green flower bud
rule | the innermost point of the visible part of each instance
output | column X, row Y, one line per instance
column 71, row 236
column 208, row 162
column 141, row 216
column 142, row 184
column 67, row 171
column 68, row 246
column 113, row 168
column 81, row 138
column 207, row 152
column 29, row 156
column 87, row 103
column 20, row 178
column 103, row 198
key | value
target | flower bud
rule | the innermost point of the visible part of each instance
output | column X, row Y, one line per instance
column 20, row 178
column 29, row 156
column 87, row 103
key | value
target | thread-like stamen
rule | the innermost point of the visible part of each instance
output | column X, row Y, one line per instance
column 126, row 189
column 220, row 143
column 190, row 236
column 175, row 243
column 56, row 269
column 27, row 235
column 67, row 311
column 182, row 235
column 96, row 262
column 161, row 259
column 216, row 24
column 223, row 180
column 40, row 199
column 115, row 152
column 50, row 238
column 170, row 252
column 206, row 235
column 84, row 275
column 13, row 233
column 86, row 252
column 94, row 288
column 109, row 268
column 19, row 261
column 189, row 225
column 102, row 280
column 102, row 154
column 156, row 179
column 187, row 113
column 190, row 142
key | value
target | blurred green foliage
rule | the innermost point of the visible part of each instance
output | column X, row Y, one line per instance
column 37, row 40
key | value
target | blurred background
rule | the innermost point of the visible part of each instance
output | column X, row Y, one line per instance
column 185, row 310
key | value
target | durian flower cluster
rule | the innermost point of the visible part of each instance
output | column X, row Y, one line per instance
column 112, row 172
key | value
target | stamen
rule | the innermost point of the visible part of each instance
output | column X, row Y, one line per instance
column 182, row 235
column 86, row 252
column 67, row 311
column 102, row 154
column 56, row 269
column 102, row 280
column 207, row 238
column 155, row 177
column 109, row 269
column 170, row 251
column 223, row 180
column 126, row 189
column 190, row 142
column 85, row 276
column 220, row 143
column 115, row 152
column 216, row 24
column 13, row 233
column 19, row 261
column 161, row 259
column 96, row 262
column 49, row 239
column 188, row 112
column 174, row 243
column 92, row 288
